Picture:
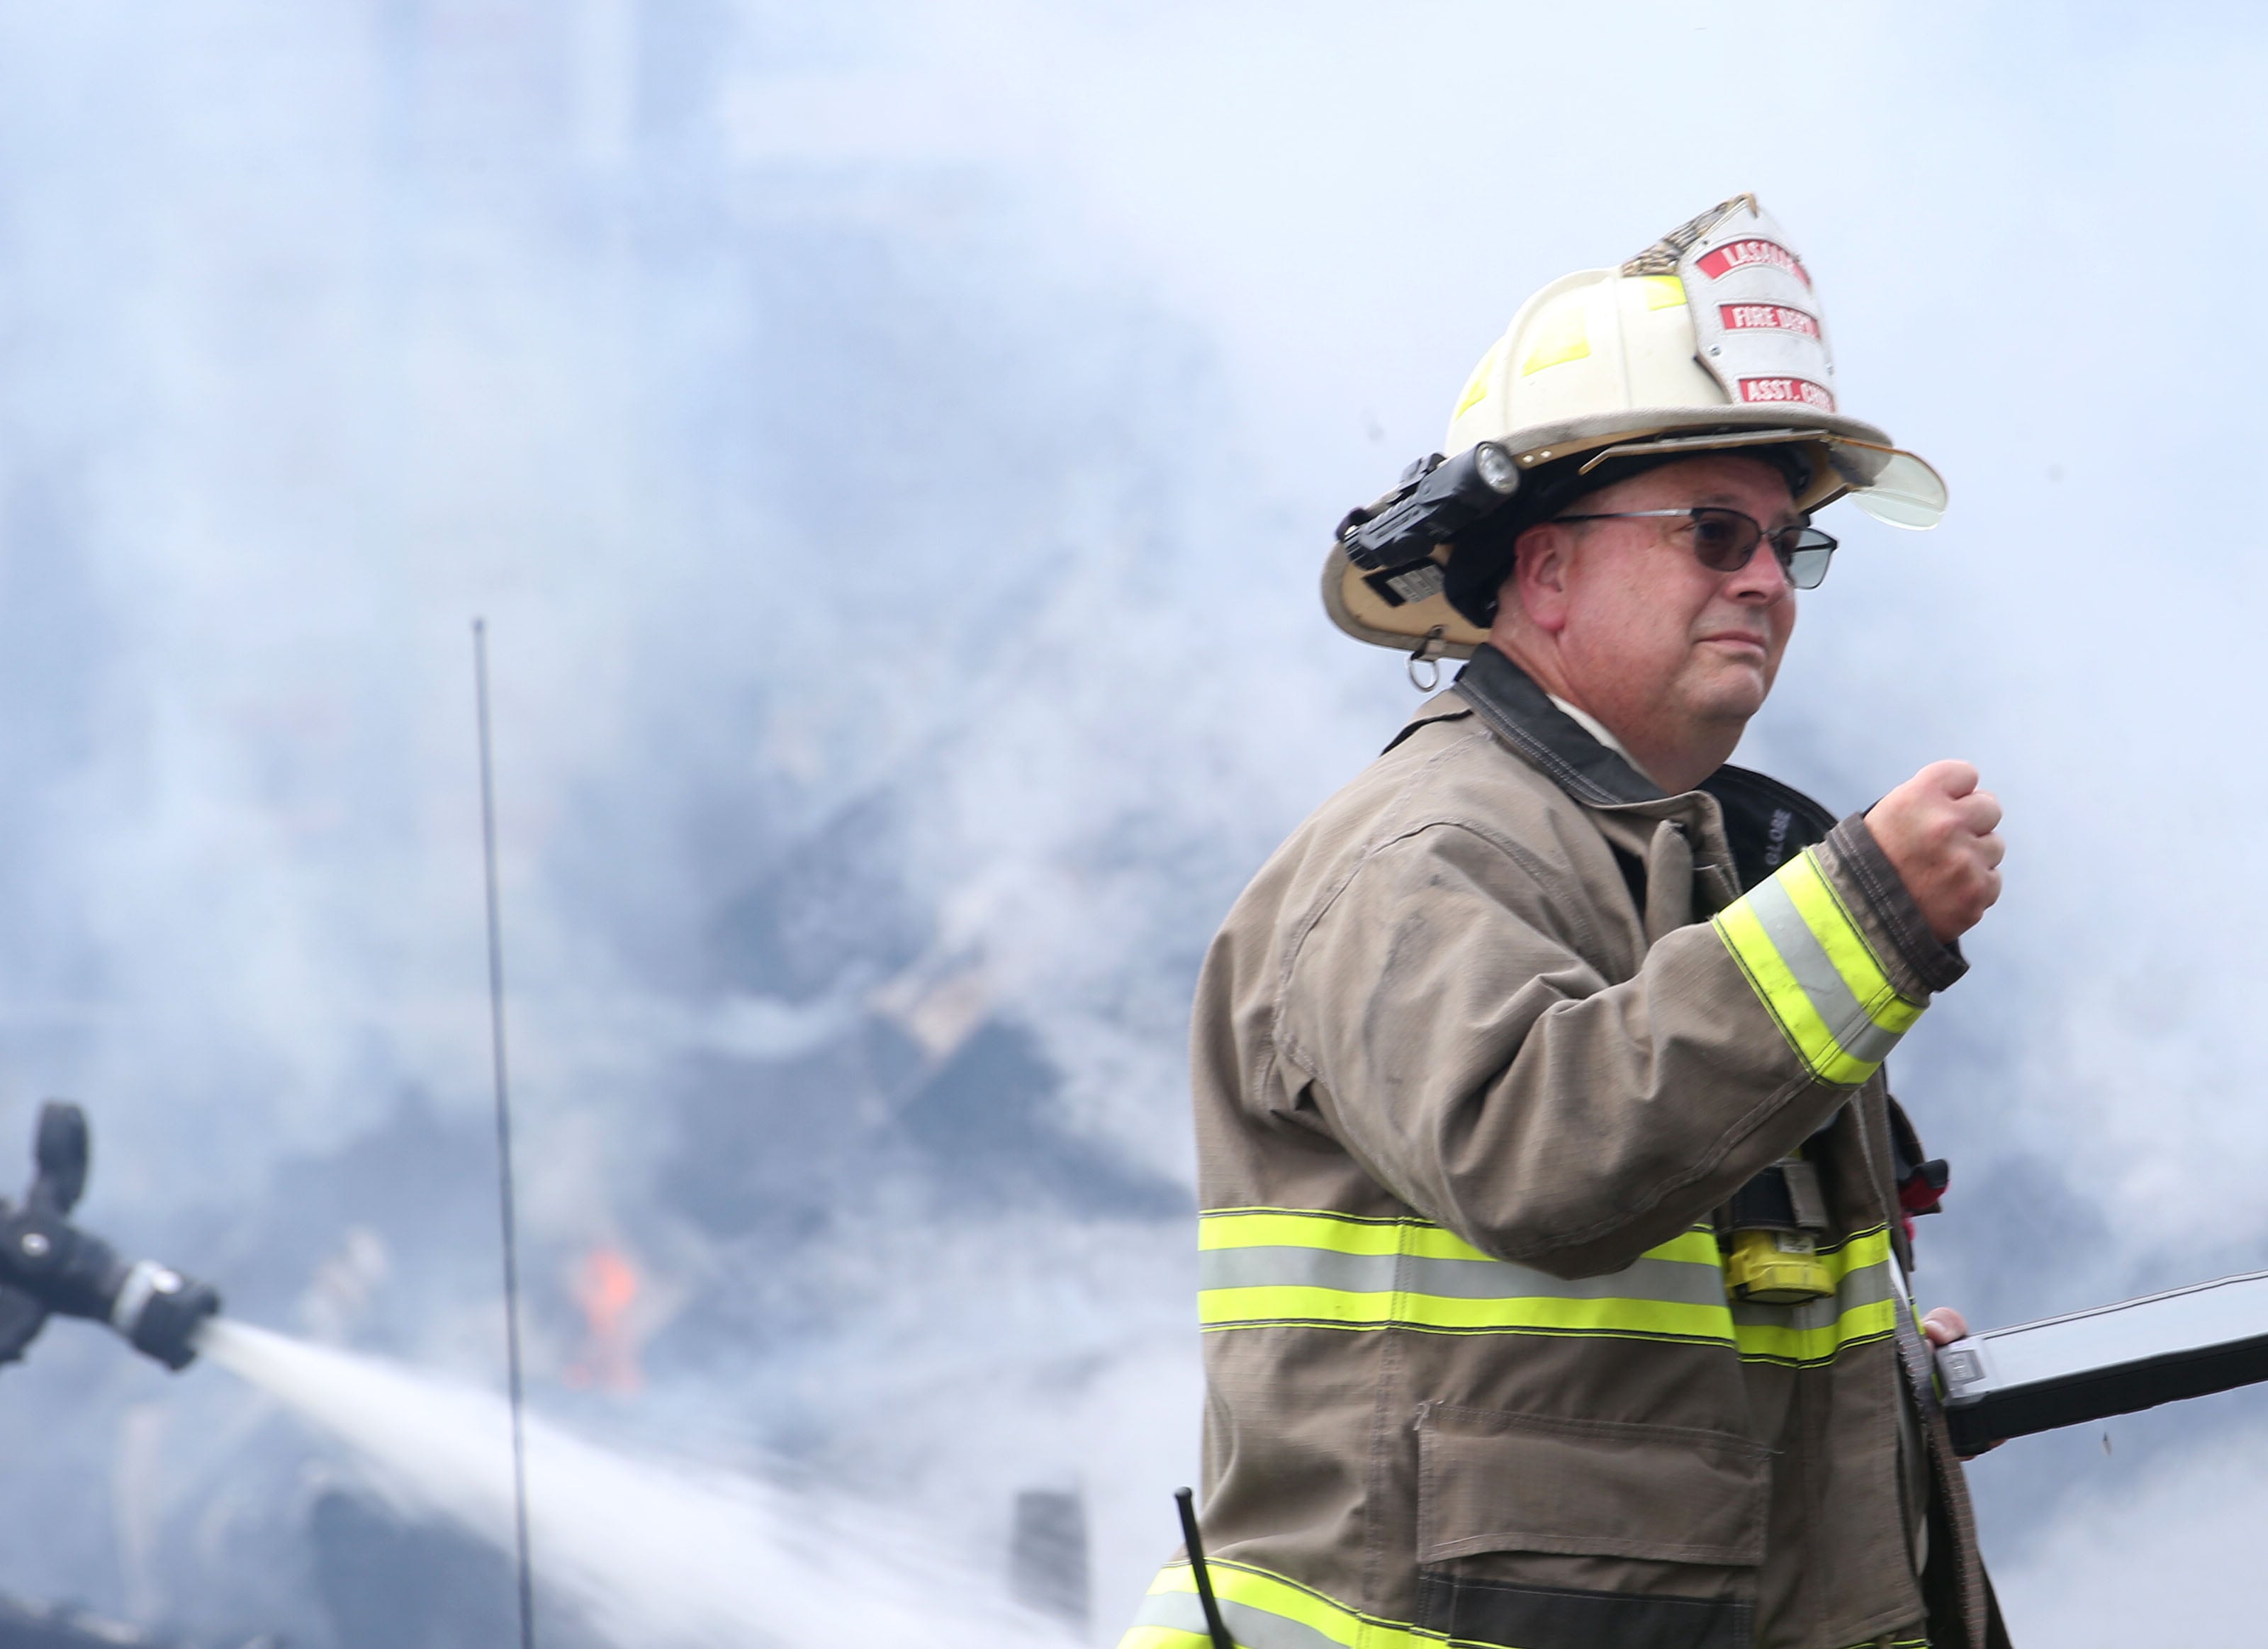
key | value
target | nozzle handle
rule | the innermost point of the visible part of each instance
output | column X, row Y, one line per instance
column 22, row 1316
column 60, row 1150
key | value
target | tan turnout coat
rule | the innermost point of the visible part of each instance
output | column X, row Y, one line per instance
column 1476, row 1056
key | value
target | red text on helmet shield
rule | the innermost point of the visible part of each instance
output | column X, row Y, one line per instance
column 1741, row 254
column 1800, row 390
column 1767, row 317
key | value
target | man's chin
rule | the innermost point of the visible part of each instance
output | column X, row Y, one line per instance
column 1733, row 695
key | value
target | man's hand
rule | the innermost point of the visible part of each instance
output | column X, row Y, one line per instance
column 1938, row 831
column 1943, row 1325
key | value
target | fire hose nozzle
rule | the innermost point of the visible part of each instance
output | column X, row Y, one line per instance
column 160, row 1312
column 48, row 1266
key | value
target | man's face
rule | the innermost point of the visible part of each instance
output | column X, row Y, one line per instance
column 1651, row 640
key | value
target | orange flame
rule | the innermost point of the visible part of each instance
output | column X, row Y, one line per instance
column 606, row 1287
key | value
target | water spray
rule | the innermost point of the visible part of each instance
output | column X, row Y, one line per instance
column 646, row 1553
column 48, row 1267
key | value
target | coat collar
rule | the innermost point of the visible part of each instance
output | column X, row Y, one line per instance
column 1765, row 821
column 1524, row 716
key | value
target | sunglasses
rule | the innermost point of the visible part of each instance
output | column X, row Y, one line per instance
column 1723, row 541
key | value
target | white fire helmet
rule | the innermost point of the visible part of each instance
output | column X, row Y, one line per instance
column 1710, row 340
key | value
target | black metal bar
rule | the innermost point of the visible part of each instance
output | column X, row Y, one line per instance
column 526, row 1573
column 1186, row 1502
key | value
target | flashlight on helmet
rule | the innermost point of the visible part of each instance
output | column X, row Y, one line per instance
column 49, row 1267
column 1437, row 499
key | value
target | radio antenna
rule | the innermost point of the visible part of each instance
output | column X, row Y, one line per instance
column 1194, row 1543
column 504, row 1140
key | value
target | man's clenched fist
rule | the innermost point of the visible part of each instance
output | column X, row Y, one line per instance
column 1937, row 830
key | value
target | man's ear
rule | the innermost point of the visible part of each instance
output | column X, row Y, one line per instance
column 1538, row 583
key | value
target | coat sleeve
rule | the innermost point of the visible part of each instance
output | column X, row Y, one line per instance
column 1452, row 1036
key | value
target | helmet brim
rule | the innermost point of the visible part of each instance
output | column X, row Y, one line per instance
column 1850, row 459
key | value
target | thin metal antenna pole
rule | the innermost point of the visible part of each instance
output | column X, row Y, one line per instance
column 504, row 1139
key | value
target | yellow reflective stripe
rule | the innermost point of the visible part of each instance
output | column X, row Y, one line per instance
column 1297, row 1267
column 1261, row 1610
column 1768, row 1342
column 1341, row 1308
column 1278, row 1267
column 1809, row 963
column 1864, row 1308
column 1285, row 1228
column 1839, row 935
column 1266, row 1611
column 1346, row 1234
column 1476, row 387
column 1560, row 336
column 1785, row 1000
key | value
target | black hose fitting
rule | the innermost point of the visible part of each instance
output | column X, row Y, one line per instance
column 48, row 1266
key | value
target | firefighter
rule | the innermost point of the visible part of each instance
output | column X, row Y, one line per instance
column 1551, row 1244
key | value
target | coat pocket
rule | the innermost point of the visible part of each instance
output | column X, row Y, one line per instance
column 1552, row 1533
column 1490, row 1481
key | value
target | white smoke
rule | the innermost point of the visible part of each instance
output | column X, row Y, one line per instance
column 937, row 410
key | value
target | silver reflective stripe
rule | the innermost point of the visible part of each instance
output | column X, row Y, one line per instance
column 1799, row 947
column 1286, row 1267
column 146, row 1279
column 1298, row 1268
column 1253, row 1628
column 1868, row 1285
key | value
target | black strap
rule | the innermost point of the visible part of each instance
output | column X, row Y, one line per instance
column 1633, row 870
column 1766, row 822
column 1762, row 1204
column 1424, row 721
column 1770, row 1202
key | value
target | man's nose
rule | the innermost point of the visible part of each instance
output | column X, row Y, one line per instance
column 1763, row 581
